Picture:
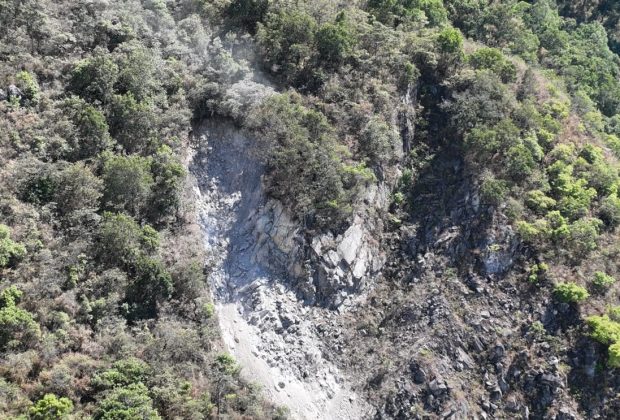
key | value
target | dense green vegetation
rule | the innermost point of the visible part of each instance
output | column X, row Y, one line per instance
column 104, row 310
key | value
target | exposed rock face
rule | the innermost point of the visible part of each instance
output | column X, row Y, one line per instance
column 260, row 263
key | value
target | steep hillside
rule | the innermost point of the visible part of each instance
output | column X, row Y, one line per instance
column 382, row 209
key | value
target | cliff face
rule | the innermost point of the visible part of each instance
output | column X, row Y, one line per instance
column 381, row 321
column 262, row 282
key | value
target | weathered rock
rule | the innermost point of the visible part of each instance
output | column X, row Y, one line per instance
column 14, row 92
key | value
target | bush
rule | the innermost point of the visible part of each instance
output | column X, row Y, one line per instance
column 91, row 136
column 150, row 284
column 50, row 407
column 132, row 123
column 614, row 355
column 128, row 183
column 93, row 78
column 130, row 402
column 394, row 12
column 247, row 13
column 539, row 202
column 122, row 239
column 450, row 40
column 493, row 59
column 18, row 329
column 299, row 148
column 533, row 233
column 78, row 189
column 168, row 175
column 29, row 86
column 570, row 292
column 492, row 190
column 610, row 210
column 10, row 251
column 603, row 280
column 286, row 41
column 604, row 330
column 378, row 142
column 335, row 41
column 583, row 236
column 123, row 372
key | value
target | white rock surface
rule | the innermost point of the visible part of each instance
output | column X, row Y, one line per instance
column 266, row 328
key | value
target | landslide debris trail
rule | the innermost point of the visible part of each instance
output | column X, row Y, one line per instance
column 275, row 337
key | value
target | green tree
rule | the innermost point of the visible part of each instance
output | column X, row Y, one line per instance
column 299, row 147
column 122, row 373
column 379, row 142
column 168, row 175
column 247, row 13
column 286, row 41
column 127, row 183
column 50, row 407
column 29, row 86
column 10, row 251
column 493, row 59
column 132, row 123
column 583, row 236
column 137, row 71
column 450, row 40
column 335, row 41
column 91, row 134
column 94, row 78
column 126, row 403
column 570, row 292
column 121, row 239
column 78, row 189
column 150, row 284
column 18, row 329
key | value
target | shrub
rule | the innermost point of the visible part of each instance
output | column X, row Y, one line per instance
column 610, row 210
column 335, row 41
column 603, row 280
column 492, row 190
column 130, row 402
column 91, row 135
column 286, row 41
column 583, row 236
column 604, row 329
column 539, row 202
column 393, row 12
column 10, row 251
column 122, row 239
column 50, row 407
column 450, row 40
column 123, row 372
column 533, row 233
column 493, row 59
column 168, row 175
column 150, row 284
column 570, row 292
column 519, row 162
column 614, row 355
column 78, row 190
column 247, row 13
column 300, row 150
column 132, row 123
column 18, row 329
column 128, row 182
column 379, row 142
column 29, row 86
column 93, row 78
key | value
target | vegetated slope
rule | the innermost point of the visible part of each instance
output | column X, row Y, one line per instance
column 485, row 287
column 104, row 307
